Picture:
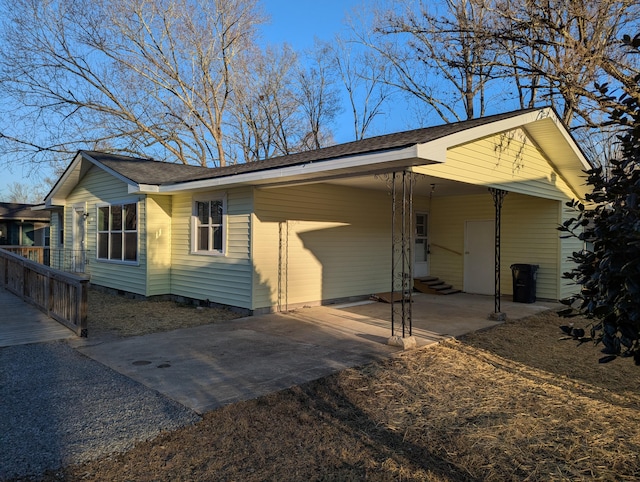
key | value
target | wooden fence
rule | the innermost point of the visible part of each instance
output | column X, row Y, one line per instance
column 62, row 296
column 39, row 254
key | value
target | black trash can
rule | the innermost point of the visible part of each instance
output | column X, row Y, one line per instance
column 524, row 282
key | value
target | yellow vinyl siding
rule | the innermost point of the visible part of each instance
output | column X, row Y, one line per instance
column 158, row 229
column 528, row 236
column 508, row 161
column 446, row 233
column 224, row 279
column 319, row 242
column 569, row 246
column 96, row 187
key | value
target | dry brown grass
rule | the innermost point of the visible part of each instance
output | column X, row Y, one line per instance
column 112, row 315
column 510, row 403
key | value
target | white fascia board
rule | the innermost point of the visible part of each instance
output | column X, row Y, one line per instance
column 143, row 188
column 51, row 202
column 72, row 175
column 308, row 171
column 437, row 149
column 71, row 170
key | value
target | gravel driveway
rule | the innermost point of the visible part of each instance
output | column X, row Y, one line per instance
column 59, row 407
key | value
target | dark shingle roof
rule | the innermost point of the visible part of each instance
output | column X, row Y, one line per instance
column 22, row 211
column 146, row 171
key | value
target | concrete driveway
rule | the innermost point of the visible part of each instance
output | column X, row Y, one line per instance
column 213, row 365
column 210, row 366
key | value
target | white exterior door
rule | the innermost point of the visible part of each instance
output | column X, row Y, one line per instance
column 421, row 246
column 479, row 257
column 79, row 235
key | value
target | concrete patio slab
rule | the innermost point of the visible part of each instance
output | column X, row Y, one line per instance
column 210, row 366
column 213, row 365
column 440, row 316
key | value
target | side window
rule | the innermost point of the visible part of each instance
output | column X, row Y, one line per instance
column 207, row 226
column 60, row 229
column 118, row 232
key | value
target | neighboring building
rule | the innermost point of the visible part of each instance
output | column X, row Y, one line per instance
column 20, row 225
column 315, row 227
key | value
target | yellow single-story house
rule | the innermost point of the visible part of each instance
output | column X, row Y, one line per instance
column 315, row 227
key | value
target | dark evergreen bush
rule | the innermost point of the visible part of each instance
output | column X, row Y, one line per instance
column 608, row 268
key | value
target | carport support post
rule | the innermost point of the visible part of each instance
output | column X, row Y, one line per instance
column 405, row 260
column 393, row 250
column 498, row 198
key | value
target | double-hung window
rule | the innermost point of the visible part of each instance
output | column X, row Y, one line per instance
column 208, row 226
column 118, row 232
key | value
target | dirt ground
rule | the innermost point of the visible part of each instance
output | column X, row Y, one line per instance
column 511, row 403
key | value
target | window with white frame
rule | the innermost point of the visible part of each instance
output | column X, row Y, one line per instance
column 60, row 225
column 118, row 232
column 207, row 231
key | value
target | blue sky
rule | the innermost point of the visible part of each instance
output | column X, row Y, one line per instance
column 299, row 22
column 296, row 22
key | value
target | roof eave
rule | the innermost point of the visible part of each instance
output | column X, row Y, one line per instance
column 143, row 188
column 392, row 159
column 563, row 153
column 556, row 143
column 72, row 175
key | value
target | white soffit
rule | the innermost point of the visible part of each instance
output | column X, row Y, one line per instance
column 562, row 152
column 545, row 130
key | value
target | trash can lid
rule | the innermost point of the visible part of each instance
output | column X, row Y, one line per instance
column 524, row 267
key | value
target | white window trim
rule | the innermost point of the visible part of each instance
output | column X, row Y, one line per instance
column 194, row 224
column 97, row 213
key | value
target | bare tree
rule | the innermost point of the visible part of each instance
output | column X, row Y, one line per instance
column 443, row 59
column 266, row 110
column 25, row 194
column 363, row 76
column 137, row 76
column 559, row 50
column 459, row 55
column 318, row 98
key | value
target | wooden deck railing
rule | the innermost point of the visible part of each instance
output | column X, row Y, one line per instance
column 62, row 296
column 69, row 260
column 39, row 254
